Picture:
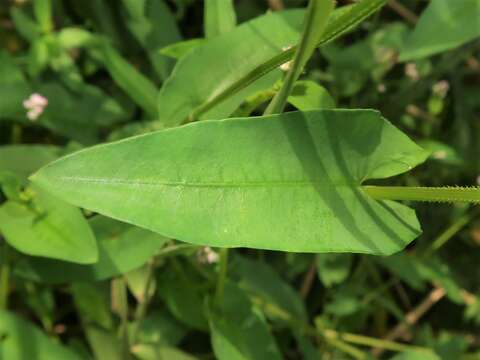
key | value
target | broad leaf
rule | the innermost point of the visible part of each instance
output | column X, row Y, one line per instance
column 239, row 330
column 121, row 248
column 154, row 352
column 288, row 182
column 181, row 48
column 20, row 340
column 219, row 17
column 48, row 227
column 444, row 25
column 193, row 90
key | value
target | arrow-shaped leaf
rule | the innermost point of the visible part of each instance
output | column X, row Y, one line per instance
column 287, row 182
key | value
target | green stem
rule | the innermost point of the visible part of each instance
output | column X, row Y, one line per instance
column 143, row 305
column 4, row 276
column 431, row 194
column 345, row 20
column 222, row 275
column 372, row 342
column 316, row 18
column 451, row 231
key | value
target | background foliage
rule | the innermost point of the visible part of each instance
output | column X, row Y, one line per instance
column 74, row 284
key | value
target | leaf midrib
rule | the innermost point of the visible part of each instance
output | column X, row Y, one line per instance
column 294, row 183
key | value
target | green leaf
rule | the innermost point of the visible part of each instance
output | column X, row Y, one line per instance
column 20, row 340
column 308, row 95
column 154, row 26
column 238, row 329
column 159, row 328
column 288, row 182
column 43, row 13
column 140, row 89
column 262, row 281
column 444, row 25
column 183, row 298
column 181, row 48
column 48, row 227
column 121, row 248
column 14, row 88
column 315, row 23
column 333, row 268
column 239, row 64
column 24, row 160
column 219, row 17
column 153, row 352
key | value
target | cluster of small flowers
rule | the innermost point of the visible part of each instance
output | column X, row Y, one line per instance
column 35, row 105
column 441, row 88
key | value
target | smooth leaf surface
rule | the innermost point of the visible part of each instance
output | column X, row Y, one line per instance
column 308, row 95
column 181, row 48
column 219, row 17
column 193, row 91
column 121, row 248
column 239, row 330
column 49, row 227
column 444, row 25
column 21, row 340
column 287, row 182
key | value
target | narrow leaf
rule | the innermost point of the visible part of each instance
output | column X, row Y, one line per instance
column 287, row 182
column 219, row 17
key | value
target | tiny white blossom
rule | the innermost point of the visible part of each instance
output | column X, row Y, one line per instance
column 412, row 72
column 381, row 88
column 440, row 154
column 441, row 88
column 35, row 105
column 207, row 256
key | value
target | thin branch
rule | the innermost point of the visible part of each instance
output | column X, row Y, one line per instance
column 308, row 280
column 412, row 317
column 403, row 11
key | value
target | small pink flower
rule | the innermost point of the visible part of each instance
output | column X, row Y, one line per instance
column 35, row 105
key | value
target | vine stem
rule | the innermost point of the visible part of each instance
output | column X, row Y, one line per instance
column 222, row 275
column 430, row 194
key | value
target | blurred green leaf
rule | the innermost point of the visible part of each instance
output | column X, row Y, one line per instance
column 238, row 329
column 21, row 340
column 154, row 26
column 444, row 25
column 219, row 17
column 333, row 269
column 182, row 48
column 153, row 352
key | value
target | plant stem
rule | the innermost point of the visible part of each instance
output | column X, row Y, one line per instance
column 143, row 305
column 451, row 231
column 372, row 342
column 316, row 18
column 4, row 276
column 222, row 275
column 431, row 194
